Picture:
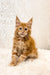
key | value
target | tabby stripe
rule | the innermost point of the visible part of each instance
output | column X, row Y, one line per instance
column 14, row 53
column 23, row 56
column 15, row 56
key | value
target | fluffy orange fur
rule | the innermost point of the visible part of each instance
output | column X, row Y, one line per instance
column 23, row 44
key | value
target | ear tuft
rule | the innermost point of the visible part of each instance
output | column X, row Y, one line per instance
column 17, row 21
column 29, row 23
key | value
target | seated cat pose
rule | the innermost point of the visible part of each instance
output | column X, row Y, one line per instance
column 23, row 44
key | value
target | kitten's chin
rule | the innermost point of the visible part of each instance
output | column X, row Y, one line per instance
column 22, row 36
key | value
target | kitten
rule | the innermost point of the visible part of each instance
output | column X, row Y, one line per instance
column 23, row 43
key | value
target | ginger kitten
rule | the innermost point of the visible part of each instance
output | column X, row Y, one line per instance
column 23, row 44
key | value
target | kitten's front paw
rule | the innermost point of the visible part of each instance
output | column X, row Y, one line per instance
column 12, row 64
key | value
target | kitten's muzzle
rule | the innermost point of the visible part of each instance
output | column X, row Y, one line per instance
column 22, row 33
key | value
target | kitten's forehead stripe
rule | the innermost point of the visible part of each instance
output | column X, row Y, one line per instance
column 23, row 24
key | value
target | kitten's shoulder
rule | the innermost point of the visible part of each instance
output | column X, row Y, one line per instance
column 31, row 39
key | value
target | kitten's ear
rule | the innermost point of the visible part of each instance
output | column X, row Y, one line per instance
column 29, row 23
column 17, row 21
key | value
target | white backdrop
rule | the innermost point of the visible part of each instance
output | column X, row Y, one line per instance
column 25, row 9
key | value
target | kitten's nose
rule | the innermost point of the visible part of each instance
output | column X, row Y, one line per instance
column 22, row 32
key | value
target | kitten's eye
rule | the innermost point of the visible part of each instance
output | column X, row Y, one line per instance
column 20, row 28
column 25, row 29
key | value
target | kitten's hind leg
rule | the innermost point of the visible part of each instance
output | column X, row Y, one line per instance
column 33, row 55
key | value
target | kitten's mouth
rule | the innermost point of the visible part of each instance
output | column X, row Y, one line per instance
column 22, row 35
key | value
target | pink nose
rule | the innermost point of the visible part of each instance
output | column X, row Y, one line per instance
column 22, row 32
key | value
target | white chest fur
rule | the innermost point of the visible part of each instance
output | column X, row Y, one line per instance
column 21, row 45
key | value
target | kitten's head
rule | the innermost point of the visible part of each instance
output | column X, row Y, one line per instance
column 23, row 29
